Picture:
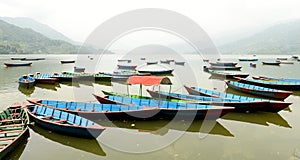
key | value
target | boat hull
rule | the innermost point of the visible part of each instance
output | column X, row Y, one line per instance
column 17, row 64
column 266, row 92
column 272, row 106
column 239, row 106
column 180, row 114
column 282, row 86
column 77, row 131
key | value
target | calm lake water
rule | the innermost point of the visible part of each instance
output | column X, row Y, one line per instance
column 258, row 135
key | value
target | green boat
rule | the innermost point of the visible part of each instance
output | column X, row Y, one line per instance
column 89, row 76
column 13, row 129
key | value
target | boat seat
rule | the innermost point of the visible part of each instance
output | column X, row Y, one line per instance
column 60, row 121
column 11, row 125
column 11, row 120
column 46, row 117
column 10, row 131
column 7, row 139
column 3, row 146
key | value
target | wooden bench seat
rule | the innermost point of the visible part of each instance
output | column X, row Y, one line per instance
column 60, row 121
column 12, row 125
column 46, row 117
column 7, row 138
column 2, row 146
column 11, row 131
column 11, row 120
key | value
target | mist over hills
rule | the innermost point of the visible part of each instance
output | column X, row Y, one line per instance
column 282, row 38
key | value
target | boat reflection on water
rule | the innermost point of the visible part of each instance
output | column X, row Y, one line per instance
column 72, row 84
column 260, row 118
column 48, row 86
column 87, row 145
column 26, row 91
column 18, row 151
column 161, row 127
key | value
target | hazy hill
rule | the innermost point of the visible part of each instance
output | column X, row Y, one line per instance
column 14, row 39
column 43, row 29
column 281, row 38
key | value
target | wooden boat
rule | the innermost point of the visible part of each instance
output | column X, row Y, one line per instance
column 30, row 59
column 257, row 90
column 295, row 56
column 43, row 78
column 79, row 69
column 281, row 58
column 152, row 62
column 205, row 60
column 235, row 68
column 248, row 59
column 265, row 78
column 64, row 77
column 179, row 63
column 170, row 110
column 165, row 61
column 63, row 122
column 156, row 71
column 223, row 63
column 272, row 106
column 253, row 65
column 227, row 74
column 17, row 64
column 143, row 58
column 17, row 58
column 67, row 61
column 102, row 77
column 13, row 129
column 240, row 105
column 283, row 85
column 26, row 81
column 271, row 63
column 96, row 111
column 285, row 62
column 127, row 67
column 124, row 60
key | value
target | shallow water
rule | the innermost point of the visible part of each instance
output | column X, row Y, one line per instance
column 258, row 135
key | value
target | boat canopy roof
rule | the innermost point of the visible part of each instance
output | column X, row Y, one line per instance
column 148, row 80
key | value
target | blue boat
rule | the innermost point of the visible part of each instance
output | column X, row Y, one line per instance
column 26, row 81
column 96, row 111
column 43, row 78
column 258, row 90
column 63, row 122
column 127, row 67
column 223, row 63
column 170, row 110
column 276, row 84
column 276, row 79
column 240, row 105
column 65, row 77
column 79, row 69
column 272, row 106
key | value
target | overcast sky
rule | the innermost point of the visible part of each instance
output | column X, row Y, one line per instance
column 77, row 19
